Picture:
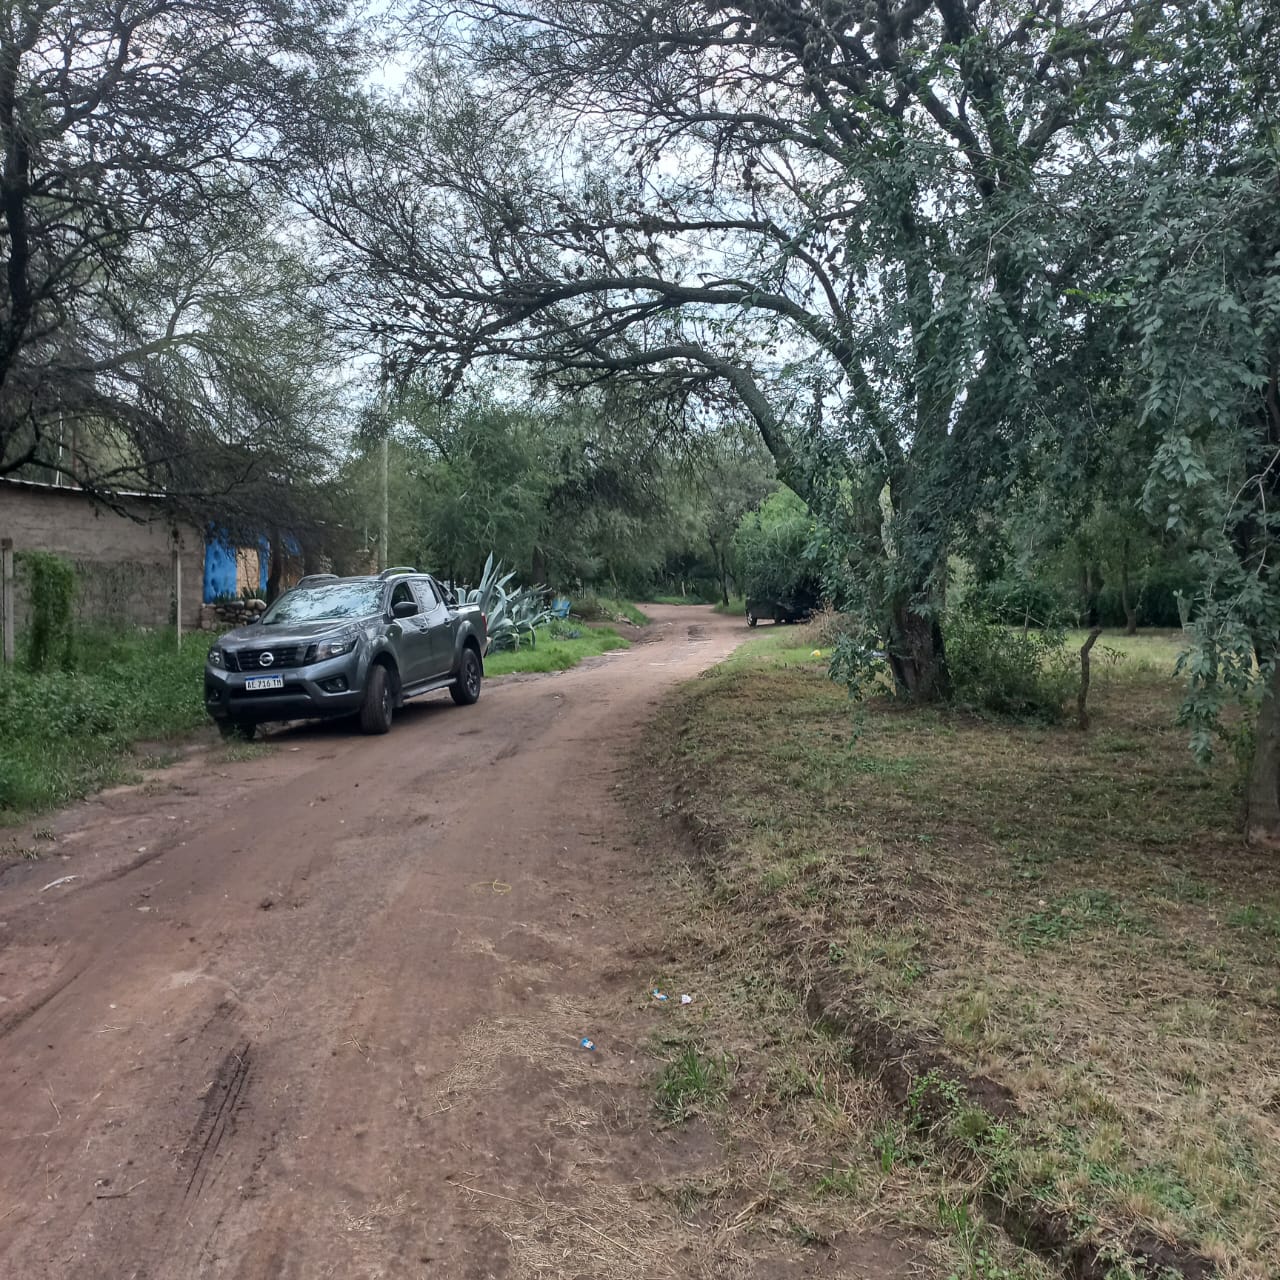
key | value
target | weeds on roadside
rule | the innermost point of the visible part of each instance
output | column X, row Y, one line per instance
column 236, row 752
column 67, row 733
column 693, row 1083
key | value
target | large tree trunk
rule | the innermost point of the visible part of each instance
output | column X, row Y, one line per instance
column 918, row 657
column 1262, row 800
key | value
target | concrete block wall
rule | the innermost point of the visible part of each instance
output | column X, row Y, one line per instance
column 123, row 562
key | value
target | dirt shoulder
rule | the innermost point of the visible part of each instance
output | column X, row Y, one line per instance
column 320, row 1012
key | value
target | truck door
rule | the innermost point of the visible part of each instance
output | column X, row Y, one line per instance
column 413, row 648
column 439, row 627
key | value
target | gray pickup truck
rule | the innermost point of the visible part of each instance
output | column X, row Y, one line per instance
column 346, row 647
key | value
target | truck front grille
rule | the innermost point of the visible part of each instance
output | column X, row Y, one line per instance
column 282, row 656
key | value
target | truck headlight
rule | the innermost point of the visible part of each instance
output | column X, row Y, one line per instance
column 215, row 657
column 335, row 647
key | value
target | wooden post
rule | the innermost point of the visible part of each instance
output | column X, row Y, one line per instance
column 6, row 599
column 177, row 583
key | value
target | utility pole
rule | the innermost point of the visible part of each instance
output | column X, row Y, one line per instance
column 177, row 584
column 384, row 554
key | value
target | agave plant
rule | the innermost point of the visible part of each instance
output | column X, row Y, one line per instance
column 512, row 614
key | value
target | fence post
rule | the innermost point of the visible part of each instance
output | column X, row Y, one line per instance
column 177, row 584
column 6, row 598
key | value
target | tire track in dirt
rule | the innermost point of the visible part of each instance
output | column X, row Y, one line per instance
column 217, row 1116
column 321, row 945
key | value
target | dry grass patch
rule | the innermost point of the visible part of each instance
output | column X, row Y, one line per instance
column 1070, row 915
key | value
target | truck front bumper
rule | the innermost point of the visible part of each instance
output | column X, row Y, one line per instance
column 323, row 689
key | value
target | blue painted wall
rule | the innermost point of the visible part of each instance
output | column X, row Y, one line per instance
column 220, row 563
column 219, row 567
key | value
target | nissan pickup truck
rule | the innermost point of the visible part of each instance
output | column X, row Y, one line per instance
column 357, row 646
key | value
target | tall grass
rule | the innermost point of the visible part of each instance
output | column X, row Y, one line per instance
column 64, row 734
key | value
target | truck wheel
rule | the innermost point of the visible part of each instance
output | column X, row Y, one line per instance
column 466, row 688
column 751, row 619
column 375, row 711
column 237, row 730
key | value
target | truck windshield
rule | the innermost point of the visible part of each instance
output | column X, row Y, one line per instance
column 333, row 600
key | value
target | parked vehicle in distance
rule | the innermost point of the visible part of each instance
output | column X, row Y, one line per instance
column 798, row 607
column 355, row 646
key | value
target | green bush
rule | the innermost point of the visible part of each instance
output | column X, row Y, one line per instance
column 51, row 588
column 593, row 608
column 1155, row 596
column 771, row 552
column 1051, row 599
column 1000, row 669
column 1018, row 600
column 66, row 733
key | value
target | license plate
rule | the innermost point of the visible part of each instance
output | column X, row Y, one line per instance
column 264, row 682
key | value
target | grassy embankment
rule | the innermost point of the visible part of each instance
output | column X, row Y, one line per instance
column 1012, row 989
column 554, row 652
column 64, row 734
column 593, row 608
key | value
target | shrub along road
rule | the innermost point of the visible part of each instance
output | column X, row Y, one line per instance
column 318, row 1012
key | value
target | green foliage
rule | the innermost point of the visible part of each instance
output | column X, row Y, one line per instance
column 51, row 587
column 771, row 551
column 593, row 608
column 1015, row 601
column 67, row 733
column 1203, row 306
column 555, row 652
column 512, row 616
column 572, row 494
column 1006, row 671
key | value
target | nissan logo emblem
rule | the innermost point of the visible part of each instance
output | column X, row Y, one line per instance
column 266, row 659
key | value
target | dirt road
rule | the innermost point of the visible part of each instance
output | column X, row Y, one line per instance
column 318, row 1013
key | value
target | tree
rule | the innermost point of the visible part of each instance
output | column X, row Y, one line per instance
column 731, row 481
column 771, row 551
column 859, row 223
column 481, row 481
column 140, row 142
column 1203, row 303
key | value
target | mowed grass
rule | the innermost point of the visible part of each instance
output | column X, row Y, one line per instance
column 776, row 646
column 65, row 734
column 1070, row 915
column 555, row 654
column 1154, row 652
